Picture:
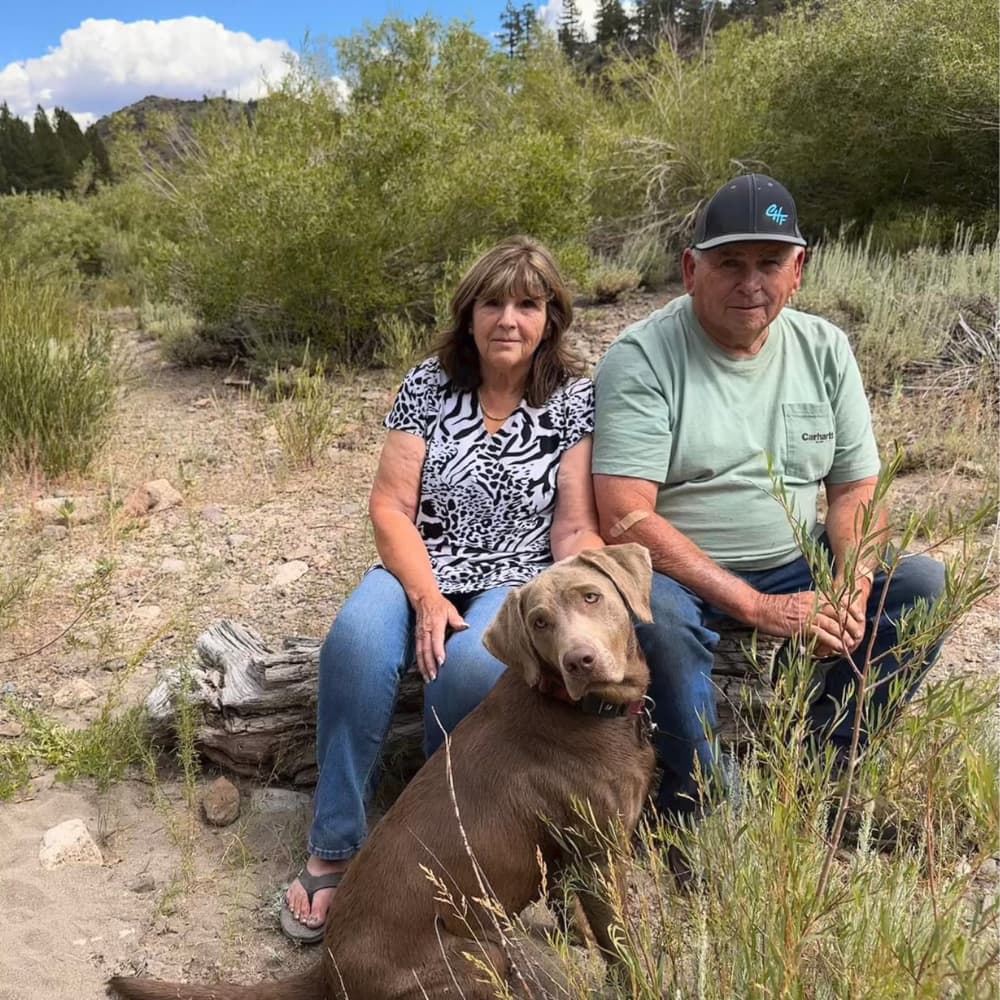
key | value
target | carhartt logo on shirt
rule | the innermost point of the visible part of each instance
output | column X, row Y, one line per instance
column 828, row 436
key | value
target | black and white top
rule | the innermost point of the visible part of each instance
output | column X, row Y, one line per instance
column 487, row 500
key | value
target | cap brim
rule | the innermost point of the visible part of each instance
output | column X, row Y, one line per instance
column 719, row 241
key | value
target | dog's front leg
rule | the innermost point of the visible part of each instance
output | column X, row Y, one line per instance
column 603, row 902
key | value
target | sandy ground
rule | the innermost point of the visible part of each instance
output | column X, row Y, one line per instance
column 116, row 600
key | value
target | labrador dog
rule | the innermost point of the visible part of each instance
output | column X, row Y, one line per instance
column 563, row 726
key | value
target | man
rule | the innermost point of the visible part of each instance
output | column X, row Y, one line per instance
column 692, row 404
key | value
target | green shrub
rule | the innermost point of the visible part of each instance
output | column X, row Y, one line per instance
column 609, row 280
column 885, row 104
column 307, row 414
column 59, row 384
column 51, row 234
column 322, row 217
column 860, row 108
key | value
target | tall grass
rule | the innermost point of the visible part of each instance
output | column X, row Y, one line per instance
column 58, row 382
column 899, row 308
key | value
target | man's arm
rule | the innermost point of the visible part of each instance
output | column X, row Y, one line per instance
column 627, row 510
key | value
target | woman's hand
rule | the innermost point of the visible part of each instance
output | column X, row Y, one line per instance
column 435, row 615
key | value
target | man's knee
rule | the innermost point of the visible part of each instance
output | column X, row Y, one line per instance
column 917, row 578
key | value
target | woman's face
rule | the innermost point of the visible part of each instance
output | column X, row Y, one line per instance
column 507, row 331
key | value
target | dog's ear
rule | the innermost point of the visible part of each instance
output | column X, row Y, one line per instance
column 506, row 638
column 630, row 569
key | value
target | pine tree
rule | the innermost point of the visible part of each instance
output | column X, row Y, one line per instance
column 73, row 142
column 53, row 173
column 655, row 18
column 529, row 22
column 512, row 29
column 612, row 26
column 570, row 34
column 99, row 154
column 16, row 152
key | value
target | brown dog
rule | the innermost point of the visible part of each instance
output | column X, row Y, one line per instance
column 562, row 726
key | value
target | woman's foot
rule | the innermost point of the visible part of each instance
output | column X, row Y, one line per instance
column 313, row 914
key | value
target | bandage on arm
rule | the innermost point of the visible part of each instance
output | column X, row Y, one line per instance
column 632, row 518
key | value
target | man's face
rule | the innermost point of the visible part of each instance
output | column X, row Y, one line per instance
column 740, row 288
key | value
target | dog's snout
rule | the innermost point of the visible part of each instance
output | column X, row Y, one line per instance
column 580, row 659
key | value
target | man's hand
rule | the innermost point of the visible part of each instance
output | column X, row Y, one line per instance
column 435, row 615
column 847, row 616
column 835, row 629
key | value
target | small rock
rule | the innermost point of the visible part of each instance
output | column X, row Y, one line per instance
column 201, row 403
column 10, row 728
column 173, row 566
column 8, row 687
column 350, row 508
column 277, row 800
column 990, row 869
column 156, row 495
column 235, row 541
column 148, row 613
column 56, row 531
column 74, row 693
column 289, row 573
column 214, row 515
column 221, row 802
column 144, row 883
column 65, row 510
column 68, row 843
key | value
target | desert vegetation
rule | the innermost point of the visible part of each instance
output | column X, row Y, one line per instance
column 282, row 268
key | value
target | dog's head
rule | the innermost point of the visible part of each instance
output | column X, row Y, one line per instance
column 573, row 623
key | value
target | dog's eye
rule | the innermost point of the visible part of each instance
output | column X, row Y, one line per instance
column 539, row 623
column 591, row 597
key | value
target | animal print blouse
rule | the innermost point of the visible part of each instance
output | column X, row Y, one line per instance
column 487, row 500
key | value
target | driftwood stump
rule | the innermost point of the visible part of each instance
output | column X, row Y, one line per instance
column 255, row 707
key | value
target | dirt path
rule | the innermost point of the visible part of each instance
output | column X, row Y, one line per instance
column 174, row 897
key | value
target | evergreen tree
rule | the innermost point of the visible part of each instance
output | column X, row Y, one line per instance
column 529, row 22
column 654, row 18
column 99, row 154
column 16, row 152
column 512, row 29
column 73, row 142
column 570, row 34
column 52, row 169
column 612, row 26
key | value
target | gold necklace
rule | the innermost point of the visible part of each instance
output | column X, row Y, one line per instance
column 490, row 415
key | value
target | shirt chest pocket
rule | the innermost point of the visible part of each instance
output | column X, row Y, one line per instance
column 810, row 439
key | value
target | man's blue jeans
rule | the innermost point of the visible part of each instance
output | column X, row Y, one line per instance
column 679, row 647
column 365, row 655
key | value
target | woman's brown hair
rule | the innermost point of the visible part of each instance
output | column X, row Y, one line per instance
column 517, row 266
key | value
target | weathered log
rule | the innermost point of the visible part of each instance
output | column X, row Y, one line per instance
column 255, row 707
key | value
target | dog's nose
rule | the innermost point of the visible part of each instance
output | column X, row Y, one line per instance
column 580, row 659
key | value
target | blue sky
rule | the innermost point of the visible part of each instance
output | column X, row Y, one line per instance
column 94, row 57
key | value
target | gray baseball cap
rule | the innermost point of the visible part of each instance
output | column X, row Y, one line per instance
column 747, row 209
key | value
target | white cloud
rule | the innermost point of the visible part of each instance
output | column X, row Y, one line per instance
column 552, row 12
column 104, row 65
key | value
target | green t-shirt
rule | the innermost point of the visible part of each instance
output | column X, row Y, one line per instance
column 674, row 409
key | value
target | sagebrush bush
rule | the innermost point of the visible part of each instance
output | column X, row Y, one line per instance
column 59, row 377
column 897, row 309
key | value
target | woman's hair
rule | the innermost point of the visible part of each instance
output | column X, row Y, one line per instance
column 518, row 267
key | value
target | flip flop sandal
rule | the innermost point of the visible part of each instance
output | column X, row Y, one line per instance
column 302, row 933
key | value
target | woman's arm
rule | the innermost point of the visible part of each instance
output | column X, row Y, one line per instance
column 393, row 510
column 574, row 523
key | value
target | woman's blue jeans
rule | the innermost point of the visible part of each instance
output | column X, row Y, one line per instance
column 679, row 649
column 366, row 653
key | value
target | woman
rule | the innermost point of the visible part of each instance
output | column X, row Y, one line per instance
column 483, row 480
